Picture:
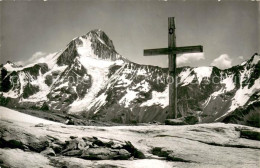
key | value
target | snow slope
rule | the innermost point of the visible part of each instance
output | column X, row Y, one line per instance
column 12, row 115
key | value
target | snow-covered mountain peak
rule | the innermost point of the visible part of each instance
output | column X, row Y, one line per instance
column 254, row 60
column 102, row 37
column 95, row 44
column 95, row 36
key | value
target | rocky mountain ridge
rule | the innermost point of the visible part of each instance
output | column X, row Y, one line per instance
column 89, row 78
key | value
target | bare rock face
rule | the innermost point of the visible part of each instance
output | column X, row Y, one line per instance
column 89, row 148
column 13, row 138
column 49, row 152
column 167, row 154
column 58, row 145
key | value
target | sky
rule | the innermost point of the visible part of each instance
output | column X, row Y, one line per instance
column 228, row 31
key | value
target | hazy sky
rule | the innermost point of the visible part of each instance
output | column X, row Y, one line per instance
column 226, row 29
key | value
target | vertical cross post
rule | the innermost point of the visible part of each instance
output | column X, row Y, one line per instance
column 172, row 69
column 172, row 51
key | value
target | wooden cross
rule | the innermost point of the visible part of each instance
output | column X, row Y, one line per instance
column 172, row 51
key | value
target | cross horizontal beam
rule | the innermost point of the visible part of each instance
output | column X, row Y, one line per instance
column 174, row 50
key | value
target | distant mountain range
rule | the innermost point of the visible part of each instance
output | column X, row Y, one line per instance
column 91, row 79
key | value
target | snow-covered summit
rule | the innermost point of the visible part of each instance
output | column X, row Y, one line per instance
column 255, row 59
column 102, row 37
column 252, row 61
column 98, row 45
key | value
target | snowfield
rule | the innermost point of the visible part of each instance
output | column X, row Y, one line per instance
column 214, row 145
column 15, row 116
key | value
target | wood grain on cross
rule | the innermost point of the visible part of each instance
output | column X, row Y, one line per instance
column 172, row 51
